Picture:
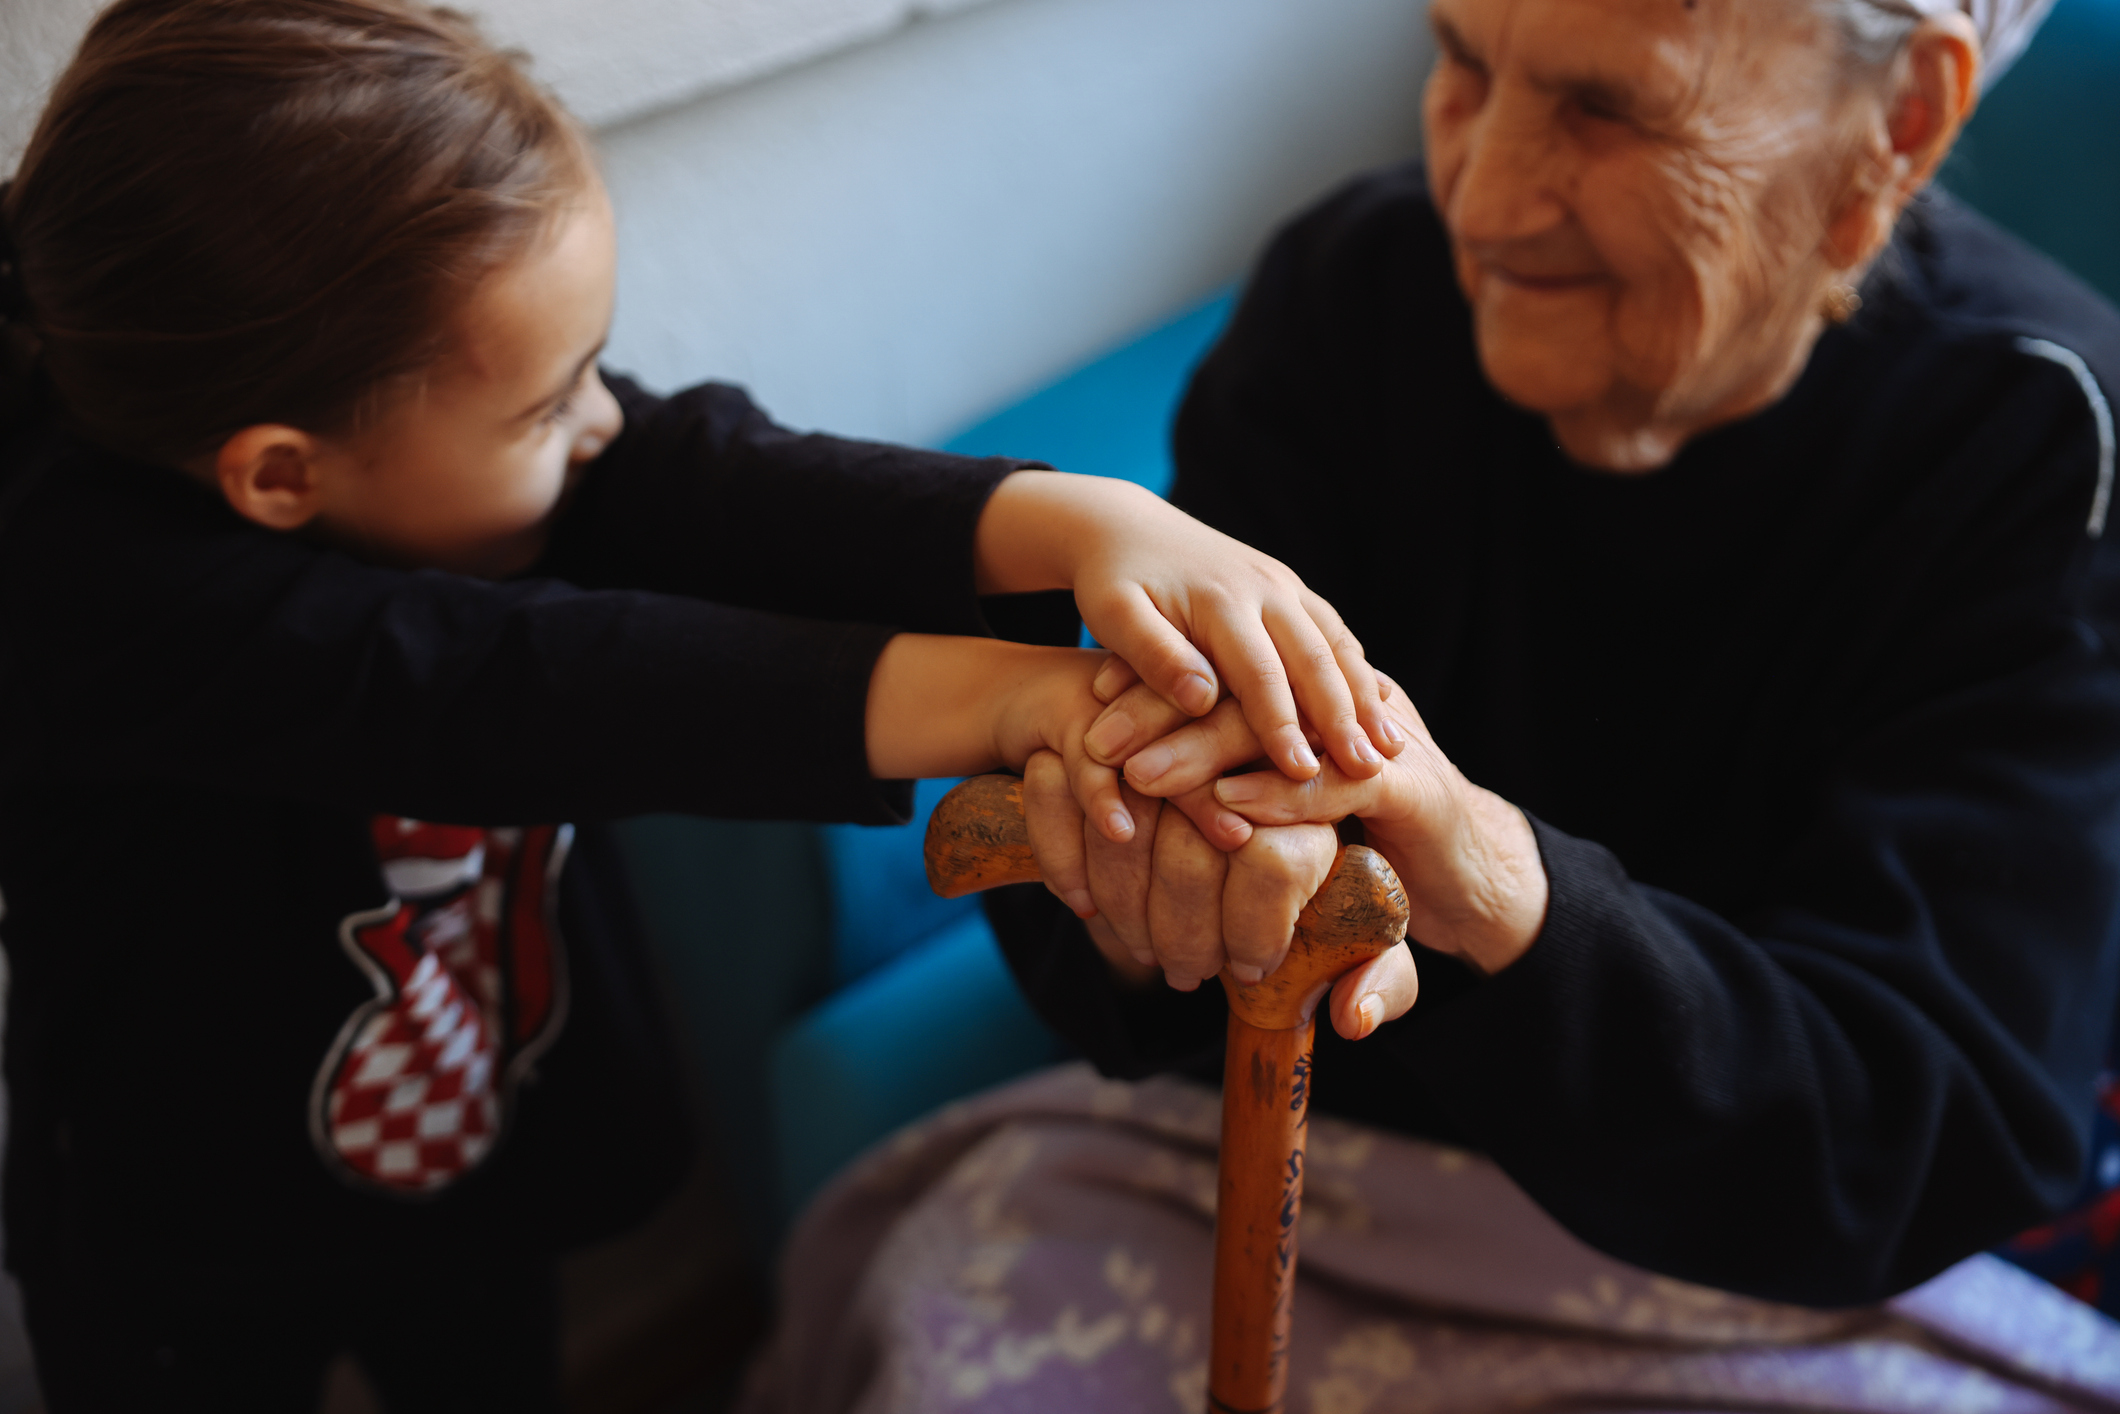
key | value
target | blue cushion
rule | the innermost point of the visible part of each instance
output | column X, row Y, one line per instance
column 937, row 1022
column 881, row 903
column 2039, row 155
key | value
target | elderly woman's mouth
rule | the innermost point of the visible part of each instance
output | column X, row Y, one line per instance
column 1547, row 283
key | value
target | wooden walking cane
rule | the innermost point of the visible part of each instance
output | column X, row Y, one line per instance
column 977, row 839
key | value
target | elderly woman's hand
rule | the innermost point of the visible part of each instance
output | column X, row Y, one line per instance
column 1168, row 901
column 1467, row 858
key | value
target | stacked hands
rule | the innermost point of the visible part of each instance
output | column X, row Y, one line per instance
column 1187, row 814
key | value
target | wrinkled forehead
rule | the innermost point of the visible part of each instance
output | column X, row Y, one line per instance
column 1660, row 58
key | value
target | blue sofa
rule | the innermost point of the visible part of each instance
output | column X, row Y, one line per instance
column 829, row 998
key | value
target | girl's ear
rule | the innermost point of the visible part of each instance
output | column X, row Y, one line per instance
column 272, row 475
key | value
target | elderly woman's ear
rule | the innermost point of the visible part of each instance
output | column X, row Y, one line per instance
column 1908, row 133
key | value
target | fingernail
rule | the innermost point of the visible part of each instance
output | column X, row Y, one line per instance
column 1389, row 730
column 1080, row 903
column 1196, row 694
column 1232, row 824
column 1366, row 753
column 1119, row 825
column 1239, row 790
column 1146, row 959
column 1145, row 766
column 1109, row 737
column 1247, row 974
column 1303, row 758
column 1371, row 1010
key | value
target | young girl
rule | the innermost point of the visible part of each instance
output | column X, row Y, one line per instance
column 320, row 524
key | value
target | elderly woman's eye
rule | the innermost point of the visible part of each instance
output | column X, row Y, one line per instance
column 1602, row 108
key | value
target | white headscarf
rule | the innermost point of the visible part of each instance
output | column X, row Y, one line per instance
column 2006, row 27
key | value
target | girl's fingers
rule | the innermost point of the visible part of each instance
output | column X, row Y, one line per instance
column 1185, row 902
column 1216, row 823
column 1259, row 680
column 1380, row 990
column 1137, row 717
column 1363, row 681
column 1119, row 874
column 1193, row 755
column 1055, row 821
column 1317, row 676
column 1133, row 627
column 1115, row 677
column 1270, row 879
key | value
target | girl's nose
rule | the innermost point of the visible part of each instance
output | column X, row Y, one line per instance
column 601, row 419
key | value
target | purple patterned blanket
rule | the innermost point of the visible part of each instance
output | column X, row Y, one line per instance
column 1045, row 1247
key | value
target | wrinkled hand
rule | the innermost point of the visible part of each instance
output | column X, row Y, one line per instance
column 1167, row 900
column 1467, row 858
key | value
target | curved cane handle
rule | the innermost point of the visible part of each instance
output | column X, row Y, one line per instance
column 977, row 839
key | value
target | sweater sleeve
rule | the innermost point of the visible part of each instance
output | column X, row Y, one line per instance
column 1881, row 1072
column 152, row 635
column 702, row 495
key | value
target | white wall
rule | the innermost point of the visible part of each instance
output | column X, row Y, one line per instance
column 610, row 60
column 894, row 241
column 960, row 200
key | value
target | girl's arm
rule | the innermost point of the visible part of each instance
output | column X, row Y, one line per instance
column 702, row 495
column 955, row 706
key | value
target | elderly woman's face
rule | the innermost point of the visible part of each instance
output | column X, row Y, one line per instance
column 1637, row 192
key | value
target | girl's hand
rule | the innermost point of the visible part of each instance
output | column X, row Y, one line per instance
column 1172, row 902
column 956, row 706
column 1468, row 859
column 1152, row 583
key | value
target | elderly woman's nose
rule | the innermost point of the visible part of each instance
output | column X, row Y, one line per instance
column 1507, row 183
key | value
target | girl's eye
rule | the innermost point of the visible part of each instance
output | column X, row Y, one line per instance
column 561, row 409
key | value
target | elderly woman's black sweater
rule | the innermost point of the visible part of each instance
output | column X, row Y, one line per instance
column 1820, row 726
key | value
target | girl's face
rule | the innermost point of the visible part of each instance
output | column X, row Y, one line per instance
column 465, row 470
column 467, row 474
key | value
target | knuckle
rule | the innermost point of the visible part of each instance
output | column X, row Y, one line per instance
column 1317, row 652
column 1136, row 701
column 1272, row 679
column 1190, row 956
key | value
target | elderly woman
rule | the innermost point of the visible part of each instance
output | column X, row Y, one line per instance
column 1731, row 515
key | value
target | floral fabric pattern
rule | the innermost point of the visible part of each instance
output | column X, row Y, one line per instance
column 1047, row 1247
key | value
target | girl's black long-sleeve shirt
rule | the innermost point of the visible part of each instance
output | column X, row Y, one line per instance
column 1819, row 727
column 201, row 722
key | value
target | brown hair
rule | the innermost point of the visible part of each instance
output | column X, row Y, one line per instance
column 246, row 211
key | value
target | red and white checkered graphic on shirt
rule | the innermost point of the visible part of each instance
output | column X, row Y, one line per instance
column 414, row 1105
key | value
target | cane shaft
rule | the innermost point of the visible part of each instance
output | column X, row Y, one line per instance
column 1265, row 1109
